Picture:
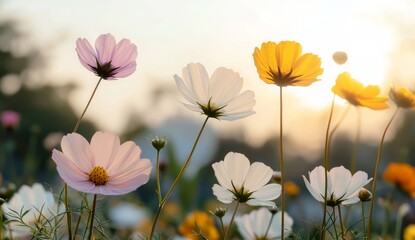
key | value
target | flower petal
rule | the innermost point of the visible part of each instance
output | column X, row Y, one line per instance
column 104, row 147
column 258, row 175
column 105, row 45
column 223, row 194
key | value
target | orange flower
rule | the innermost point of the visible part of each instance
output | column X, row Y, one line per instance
column 402, row 175
column 409, row 232
column 402, row 97
column 199, row 223
column 357, row 94
column 292, row 189
column 284, row 64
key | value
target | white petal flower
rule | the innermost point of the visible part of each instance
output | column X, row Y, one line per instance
column 342, row 187
column 217, row 96
column 242, row 182
column 39, row 205
column 255, row 224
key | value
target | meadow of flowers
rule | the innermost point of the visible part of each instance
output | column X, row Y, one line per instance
column 251, row 197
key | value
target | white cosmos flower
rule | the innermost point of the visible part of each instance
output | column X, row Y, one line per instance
column 242, row 182
column 255, row 224
column 342, row 187
column 217, row 96
column 39, row 205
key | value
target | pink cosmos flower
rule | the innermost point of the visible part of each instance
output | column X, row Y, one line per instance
column 102, row 167
column 10, row 119
column 109, row 60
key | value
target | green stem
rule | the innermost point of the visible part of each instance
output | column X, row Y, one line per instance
column 91, row 224
column 334, row 222
column 68, row 212
column 269, row 225
column 363, row 220
column 86, row 107
column 282, row 170
column 1, row 220
column 158, row 176
column 326, row 168
column 222, row 226
column 375, row 176
column 341, row 221
column 231, row 222
column 176, row 181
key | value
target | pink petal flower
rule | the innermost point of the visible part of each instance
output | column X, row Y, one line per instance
column 119, row 169
column 109, row 60
column 10, row 119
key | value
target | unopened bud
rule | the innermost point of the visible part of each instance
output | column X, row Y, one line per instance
column 273, row 210
column 365, row 195
column 158, row 143
column 276, row 177
column 219, row 212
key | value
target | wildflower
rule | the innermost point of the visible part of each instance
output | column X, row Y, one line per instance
column 340, row 57
column 402, row 97
column 255, row 225
column 10, row 119
column 284, row 64
column 356, row 94
column 126, row 215
column 402, row 175
column 109, row 60
column 242, row 182
column 102, row 167
column 39, row 205
column 217, row 96
column 409, row 232
column 292, row 189
column 342, row 187
column 199, row 224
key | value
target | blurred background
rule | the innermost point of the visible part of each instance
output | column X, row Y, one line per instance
column 42, row 81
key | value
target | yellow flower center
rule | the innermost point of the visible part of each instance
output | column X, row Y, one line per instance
column 98, row 176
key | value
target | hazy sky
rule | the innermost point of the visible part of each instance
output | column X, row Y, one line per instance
column 171, row 34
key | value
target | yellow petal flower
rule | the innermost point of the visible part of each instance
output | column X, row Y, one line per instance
column 357, row 94
column 402, row 97
column 199, row 224
column 409, row 232
column 284, row 65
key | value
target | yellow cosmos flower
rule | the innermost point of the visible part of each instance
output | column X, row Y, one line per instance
column 199, row 224
column 284, row 64
column 357, row 94
column 409, row 232
column 402, row 97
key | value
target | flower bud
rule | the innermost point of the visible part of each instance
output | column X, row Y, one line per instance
column 276, row 177
column 365, row 195
column 273, row 210
column 158, row 143
column 340, row 57
column 219, row 212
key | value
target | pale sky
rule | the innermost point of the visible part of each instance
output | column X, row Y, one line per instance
column 171, row 34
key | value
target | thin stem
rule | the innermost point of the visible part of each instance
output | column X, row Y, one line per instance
column 230, row 223
column 67, row 204
column 363, row 220
column 341, row 221
column 334, row 222
column 173, row 186
column 158, row 176
column 222, row 226
column 355, row 152
column 86, row 107
column 326, row 168
column 269, row 225
column 375, row 176
column 68, row 211
column 282, row 171
column 337, row 125
column 91, row 224
column 1, row 220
